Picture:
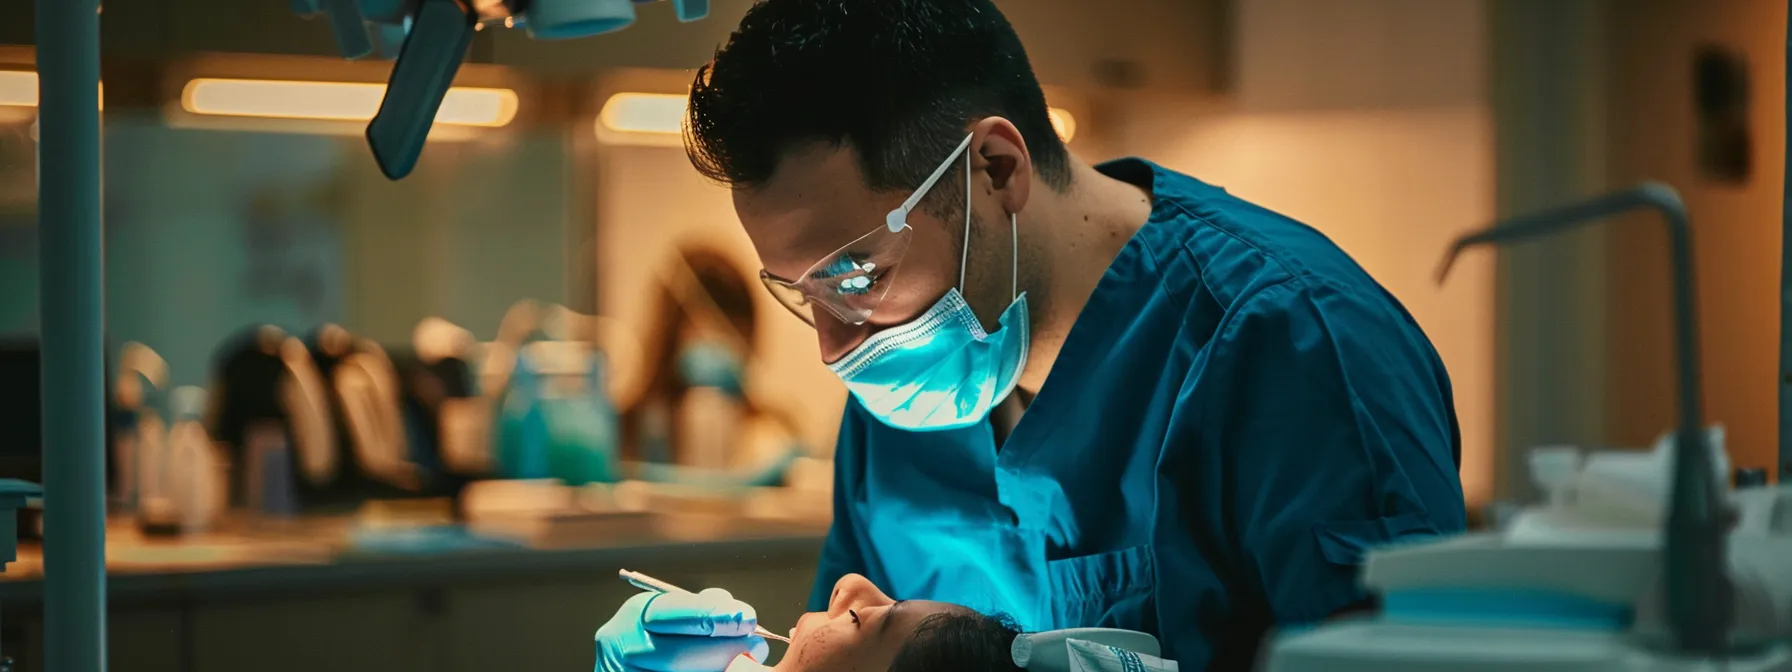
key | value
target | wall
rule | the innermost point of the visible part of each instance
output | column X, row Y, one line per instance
column 478, row 227
column 1371, row 125
column 206, row 235
column 1737, row 228
column 209, row 232
column 1549, row 62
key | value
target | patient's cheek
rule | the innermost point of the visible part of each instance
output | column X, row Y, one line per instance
column 817, row 649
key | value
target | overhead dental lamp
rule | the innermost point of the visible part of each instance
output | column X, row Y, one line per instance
column 430, row 39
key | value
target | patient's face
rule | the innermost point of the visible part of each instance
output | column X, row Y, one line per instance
column 861, row 631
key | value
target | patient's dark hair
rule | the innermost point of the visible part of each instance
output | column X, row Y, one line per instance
column 959, row 642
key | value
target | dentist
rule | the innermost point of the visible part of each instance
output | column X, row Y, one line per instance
column 1082, row 395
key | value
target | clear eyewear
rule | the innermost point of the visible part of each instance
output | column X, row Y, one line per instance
column 853, row 280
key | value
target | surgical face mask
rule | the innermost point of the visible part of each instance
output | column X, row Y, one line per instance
column 941, row 370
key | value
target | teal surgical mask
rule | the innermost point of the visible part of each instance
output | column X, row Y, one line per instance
column 941, row 370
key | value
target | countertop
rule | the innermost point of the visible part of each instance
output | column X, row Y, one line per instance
column 248, row 561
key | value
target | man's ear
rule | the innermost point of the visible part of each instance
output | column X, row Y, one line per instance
column 1000, row 158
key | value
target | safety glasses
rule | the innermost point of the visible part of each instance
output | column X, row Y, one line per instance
column 853, row 280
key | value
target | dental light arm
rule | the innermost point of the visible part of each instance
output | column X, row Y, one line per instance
column 1699, row 592
column 431, row 39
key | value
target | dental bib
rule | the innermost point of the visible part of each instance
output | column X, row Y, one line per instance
column 1089, row 650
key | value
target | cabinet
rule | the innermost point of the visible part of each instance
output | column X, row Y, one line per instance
column 137, row 640
column 525, row 610
column 527, row 626
column 327, row 632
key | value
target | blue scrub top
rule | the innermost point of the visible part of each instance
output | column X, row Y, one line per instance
column 1238, row 412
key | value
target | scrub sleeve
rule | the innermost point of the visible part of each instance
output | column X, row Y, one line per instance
column 1329, row 458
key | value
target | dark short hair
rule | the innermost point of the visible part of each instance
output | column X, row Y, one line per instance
column 898, row 81
column 959, row 642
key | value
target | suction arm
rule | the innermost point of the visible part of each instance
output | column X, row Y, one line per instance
column 432, row 38
column 1699, row 593
column 441, row 32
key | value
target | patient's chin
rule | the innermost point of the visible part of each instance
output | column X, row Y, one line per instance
column 802, row 630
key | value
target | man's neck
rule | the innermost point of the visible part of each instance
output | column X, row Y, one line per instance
column 1083, row 230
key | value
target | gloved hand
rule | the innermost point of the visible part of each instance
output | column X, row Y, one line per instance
column 679, row 632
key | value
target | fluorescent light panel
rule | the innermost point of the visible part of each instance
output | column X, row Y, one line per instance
column 18, row 88
column 663, row 114
column 341, row 101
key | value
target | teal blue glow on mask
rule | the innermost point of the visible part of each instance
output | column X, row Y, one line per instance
column 940, row 371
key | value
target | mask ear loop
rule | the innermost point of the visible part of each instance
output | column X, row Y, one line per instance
column 1013, row 256
column 1013, row 239
column 964, row 256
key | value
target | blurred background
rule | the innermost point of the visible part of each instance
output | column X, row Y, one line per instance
column 369, row 425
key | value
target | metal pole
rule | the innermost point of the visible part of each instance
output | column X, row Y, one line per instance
column 1785, row 466
column 68, row 208
column 1700, row 596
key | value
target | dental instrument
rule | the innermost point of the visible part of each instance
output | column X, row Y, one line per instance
column 648, row 583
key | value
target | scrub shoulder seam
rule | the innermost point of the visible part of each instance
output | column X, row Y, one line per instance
column 1290, row 274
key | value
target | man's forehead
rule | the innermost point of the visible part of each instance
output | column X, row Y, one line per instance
column 810, row 172
column 814, row 202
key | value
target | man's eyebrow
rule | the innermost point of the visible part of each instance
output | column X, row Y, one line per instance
column 889, row 615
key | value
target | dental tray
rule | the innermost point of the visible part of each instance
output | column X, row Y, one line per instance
column 694, row 513
column 567, row 529
column 425, row 540
column 1615, row 569
column 549, row 514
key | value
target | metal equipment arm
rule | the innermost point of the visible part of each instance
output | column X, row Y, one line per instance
column 1699, row 592
column 434, row 37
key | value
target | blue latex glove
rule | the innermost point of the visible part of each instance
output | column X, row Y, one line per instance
column 679, row 632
